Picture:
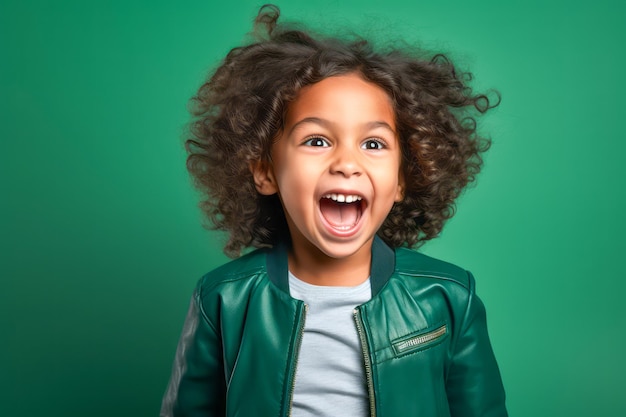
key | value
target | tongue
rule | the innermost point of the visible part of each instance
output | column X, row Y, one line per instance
column 340, row 214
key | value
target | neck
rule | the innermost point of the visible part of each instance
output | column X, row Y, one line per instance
column 315, row 267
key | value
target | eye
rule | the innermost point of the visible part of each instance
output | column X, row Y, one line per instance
column 374, row 144
column 316, row 141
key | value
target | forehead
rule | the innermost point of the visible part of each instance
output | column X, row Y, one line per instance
column 343, row 99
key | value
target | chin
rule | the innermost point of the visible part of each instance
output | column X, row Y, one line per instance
column 343, row 250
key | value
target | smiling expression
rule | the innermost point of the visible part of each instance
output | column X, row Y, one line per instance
column 335, row 167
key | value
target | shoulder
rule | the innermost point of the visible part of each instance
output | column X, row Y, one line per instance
column 444, row 290
column 238, row 270
column 410, row 263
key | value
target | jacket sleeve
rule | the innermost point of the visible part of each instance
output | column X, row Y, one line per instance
column 196, row 387
column 474, row 385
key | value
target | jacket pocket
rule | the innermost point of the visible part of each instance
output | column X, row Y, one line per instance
column 421, row 340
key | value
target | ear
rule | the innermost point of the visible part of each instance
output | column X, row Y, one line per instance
column 400, row 189
column 264, row 179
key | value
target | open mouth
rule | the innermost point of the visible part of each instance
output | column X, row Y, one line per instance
column 342, row 211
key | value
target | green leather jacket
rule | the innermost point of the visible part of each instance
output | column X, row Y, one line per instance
column 423, row 333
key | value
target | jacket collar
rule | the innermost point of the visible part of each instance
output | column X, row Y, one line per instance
column 383, row 265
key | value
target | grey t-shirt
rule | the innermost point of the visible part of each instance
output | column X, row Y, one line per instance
column 330, row 375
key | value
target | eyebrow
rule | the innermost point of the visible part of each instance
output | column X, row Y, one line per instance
column 328, row 124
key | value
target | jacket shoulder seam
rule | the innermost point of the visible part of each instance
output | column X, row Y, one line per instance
column 214, row 278
column 436, row 275
column 417, row 264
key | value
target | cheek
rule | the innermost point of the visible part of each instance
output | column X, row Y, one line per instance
column 298, row 174
column 389, row 176
column 295, row 186
column 393, row 187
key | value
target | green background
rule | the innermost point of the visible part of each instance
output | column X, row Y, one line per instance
column 101, row 238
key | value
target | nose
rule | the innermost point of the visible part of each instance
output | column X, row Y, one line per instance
column 345, row 162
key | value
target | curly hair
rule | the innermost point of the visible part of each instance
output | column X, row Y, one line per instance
column 239, row 111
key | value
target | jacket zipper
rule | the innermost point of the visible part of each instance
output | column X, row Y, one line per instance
column 296, row 356
column 422, row 339
column 368, row 361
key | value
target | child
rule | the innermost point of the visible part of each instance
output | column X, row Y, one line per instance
column 329, row 157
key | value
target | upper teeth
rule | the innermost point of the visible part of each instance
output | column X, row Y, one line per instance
column 342, row 198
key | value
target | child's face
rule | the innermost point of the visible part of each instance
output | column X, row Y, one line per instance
column 336, row 166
